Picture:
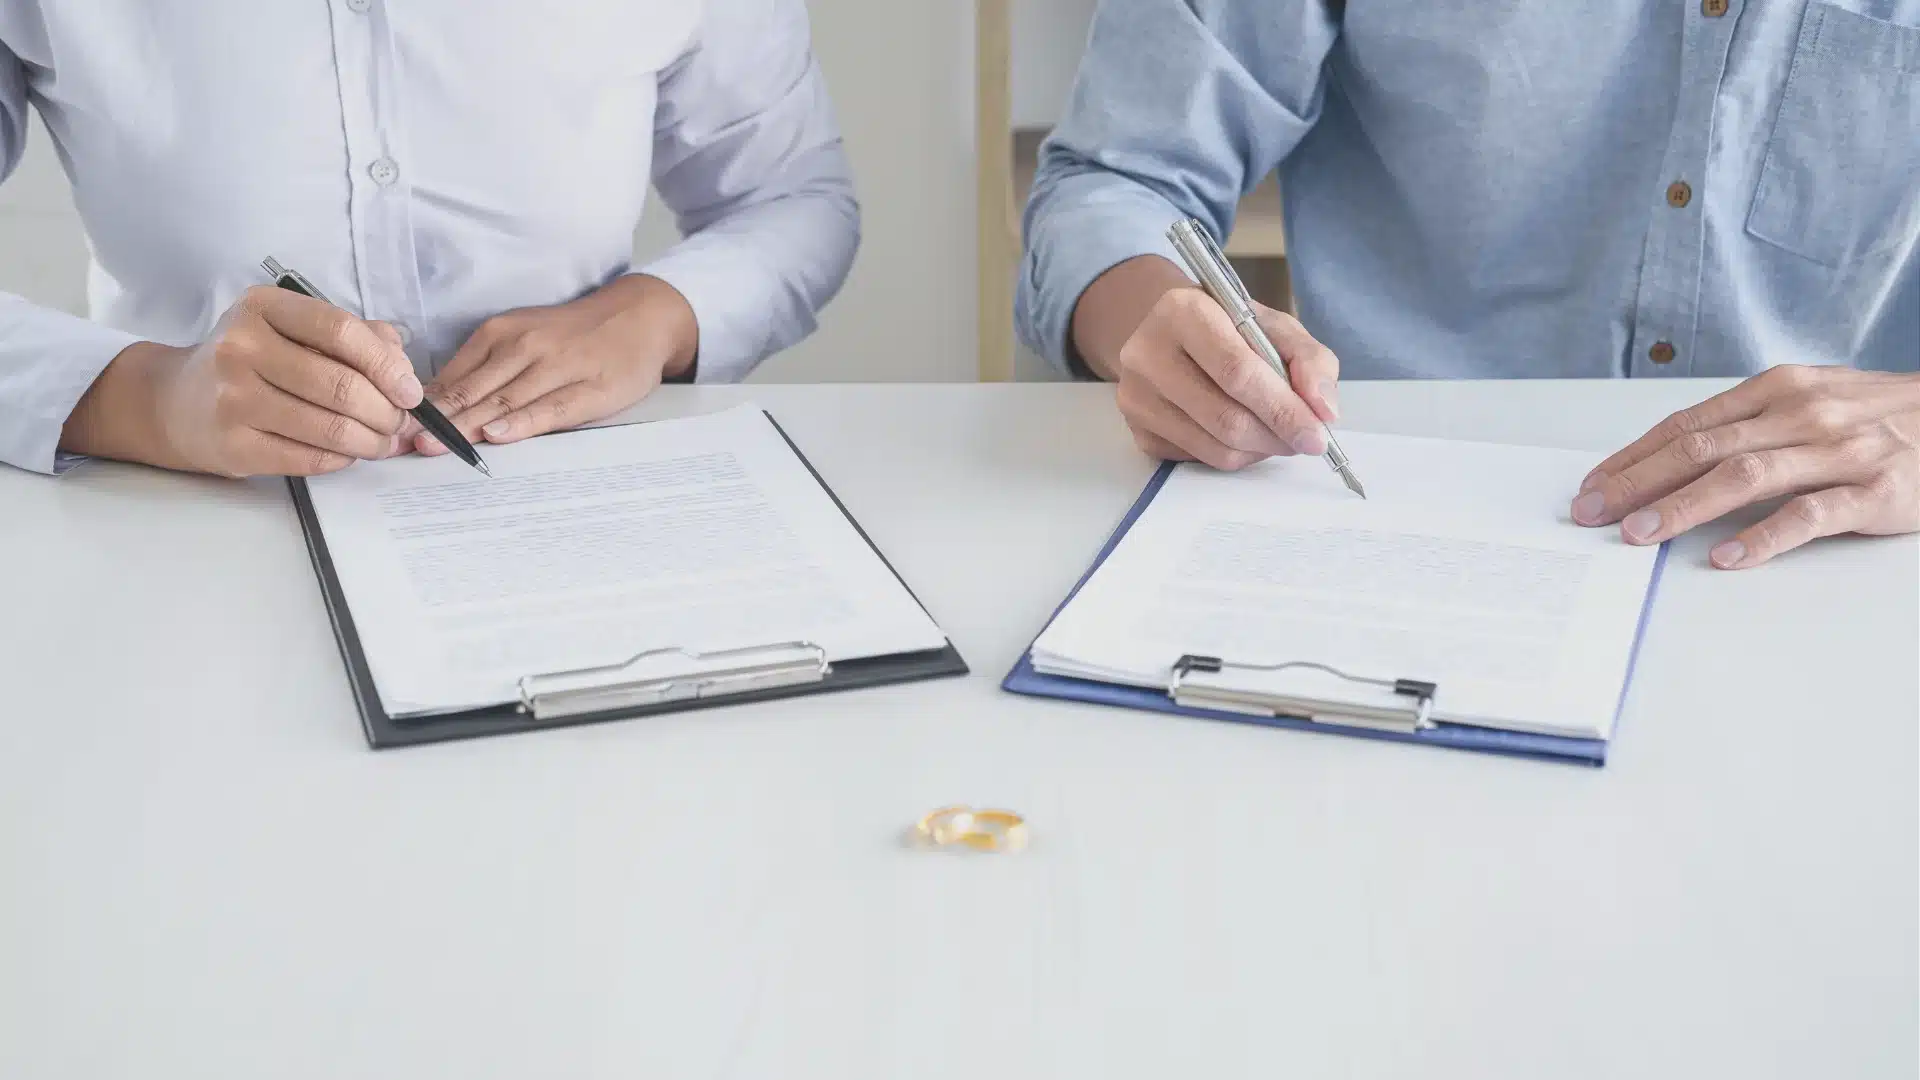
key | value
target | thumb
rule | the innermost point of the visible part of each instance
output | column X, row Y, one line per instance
column 1311, row 367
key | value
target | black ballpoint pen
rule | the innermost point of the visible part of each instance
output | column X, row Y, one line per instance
column 430, row 417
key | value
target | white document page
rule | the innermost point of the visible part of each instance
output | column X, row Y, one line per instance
column 587, row 548
column 1462, row 569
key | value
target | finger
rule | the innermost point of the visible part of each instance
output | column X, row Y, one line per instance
column 455, row 394
column 1673, row 466
column 1146, row 410
column 1743, row 402
column 1808, row 517
column 1183, row 384
column 281, row 413
column 332, row 332
column 1312, row 369
column 468, row 359
column 535, row 382
column 331, row 385
column 1741, row 480
column 1205, row 331
column 571, row 405
column 277, row 455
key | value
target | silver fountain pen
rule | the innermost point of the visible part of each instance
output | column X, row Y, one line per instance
column 1209, row 266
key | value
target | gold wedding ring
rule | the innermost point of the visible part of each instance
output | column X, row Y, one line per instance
column 976, row 830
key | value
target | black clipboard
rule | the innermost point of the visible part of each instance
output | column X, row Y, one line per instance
column 384, row 732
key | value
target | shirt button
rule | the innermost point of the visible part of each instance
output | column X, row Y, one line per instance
column 1661, row 353
column 406, row 335
column 1679, row 194
column 384, row 171
column 1712, row 9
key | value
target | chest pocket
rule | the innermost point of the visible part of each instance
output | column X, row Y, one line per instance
column 1841, row 180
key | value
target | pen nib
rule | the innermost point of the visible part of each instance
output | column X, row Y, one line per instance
column 1353, row 482
column 484, row 471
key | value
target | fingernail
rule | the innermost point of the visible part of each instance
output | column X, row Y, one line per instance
column 1728, row 555
column 1588, row 508
column 1310, row 441
column 393, row 446
column 1593, row 478
column 411, row 389
column 496, row 429
column 1641, row 524
column 1331, row 396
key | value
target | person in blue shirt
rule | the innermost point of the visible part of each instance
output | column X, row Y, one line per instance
column 1644, row 188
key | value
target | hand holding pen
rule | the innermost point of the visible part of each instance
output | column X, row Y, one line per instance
column 421, row 409
column 1191, row 386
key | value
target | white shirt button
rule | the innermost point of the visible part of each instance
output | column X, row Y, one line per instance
column 406, row 335
column 384, row 171
column 359, row 6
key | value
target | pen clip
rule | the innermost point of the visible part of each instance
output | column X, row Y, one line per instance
column 1209, row 264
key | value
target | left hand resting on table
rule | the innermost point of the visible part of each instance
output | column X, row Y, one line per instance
column 1844, row 443
column 536, row 370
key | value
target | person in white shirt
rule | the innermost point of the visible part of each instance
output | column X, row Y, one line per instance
column 463, row 177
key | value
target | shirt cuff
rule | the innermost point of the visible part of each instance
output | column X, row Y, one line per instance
column 47, row 365
column 733, row 338
column 1079, row 229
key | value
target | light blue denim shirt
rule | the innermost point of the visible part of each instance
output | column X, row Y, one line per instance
column 1645, row 188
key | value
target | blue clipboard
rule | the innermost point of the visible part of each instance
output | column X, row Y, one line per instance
column 1023, row 679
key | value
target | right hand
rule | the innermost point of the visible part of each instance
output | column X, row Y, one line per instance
column 286, row 386
column 1191, row 390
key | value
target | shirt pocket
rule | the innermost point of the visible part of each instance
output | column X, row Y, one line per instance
column 1841, row 179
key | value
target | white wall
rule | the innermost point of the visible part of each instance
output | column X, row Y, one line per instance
column 901, row 73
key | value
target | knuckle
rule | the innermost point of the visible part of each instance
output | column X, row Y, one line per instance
column 1813, row 511
column 455, row 398
column 338, row 430
column 502, row 403
column 1235, row 460
column 1240, row 376
column 1786, row 377
column 336, row 326
column 1681, row 424
column 1748, row 470
column 1698, row 448
column 316, row 460
column 1235, row 428
column 340, row 387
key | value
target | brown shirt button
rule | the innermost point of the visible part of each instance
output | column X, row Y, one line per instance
column 1713, row 9
column 1661, row 353
column 1679, row 194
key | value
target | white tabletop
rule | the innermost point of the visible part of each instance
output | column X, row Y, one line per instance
column 204, row 872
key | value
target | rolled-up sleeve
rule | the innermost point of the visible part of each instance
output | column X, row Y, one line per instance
column 48, row 358
column 749, row 159
column 1179, row 109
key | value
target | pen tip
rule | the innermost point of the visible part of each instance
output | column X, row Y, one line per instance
column 484, row 471
column 1353, row 482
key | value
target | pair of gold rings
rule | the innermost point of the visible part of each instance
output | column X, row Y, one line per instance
column 975, row 830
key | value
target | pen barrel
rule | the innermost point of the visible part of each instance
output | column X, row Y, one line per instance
column 1262, row 346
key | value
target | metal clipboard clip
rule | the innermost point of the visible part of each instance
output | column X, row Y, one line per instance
column 658, row 676
column 1313, row 691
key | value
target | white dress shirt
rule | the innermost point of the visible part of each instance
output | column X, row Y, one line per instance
column 430, row 163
